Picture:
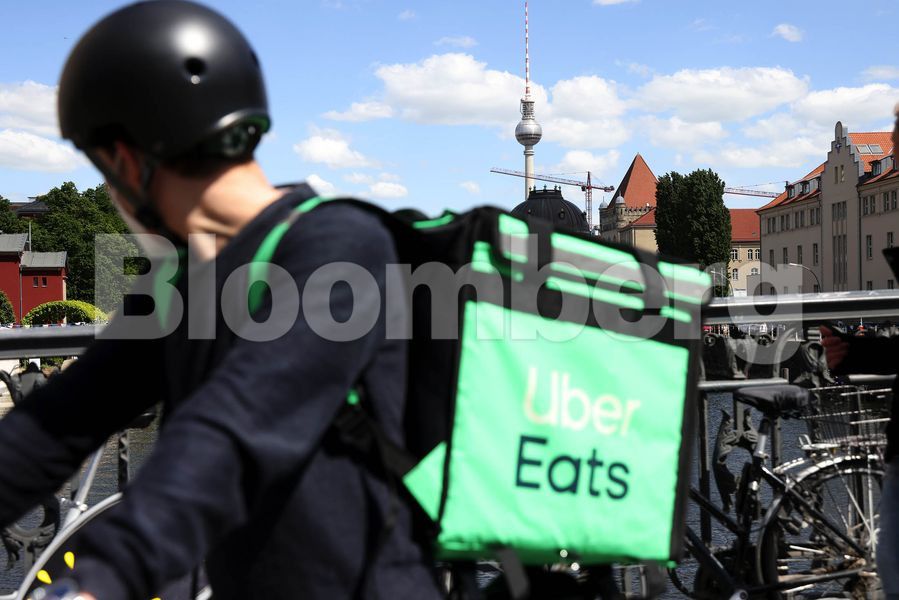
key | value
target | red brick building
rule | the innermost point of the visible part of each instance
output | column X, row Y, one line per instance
column 30, row 278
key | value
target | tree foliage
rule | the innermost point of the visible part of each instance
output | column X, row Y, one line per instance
column 6, row 312
column 74, row 311
column 74, row 220
column 692, row 222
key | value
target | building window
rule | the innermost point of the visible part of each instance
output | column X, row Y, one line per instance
column 815, row 254
column 889, row 239
column 35, row 282
column 43, row 282
column 836, row 175
column 893, row 200
column 735, row 274
column 816, row 288
column 786, row 256
column 890, row 284
column 869, row 285
column 782, row 227
column 735, row 254
column 753, row 271
column 864, row 205
column 869, row 247
column 771, row 257
column 799, row 254
column 802, row 218
column 842, row 172
column 758, row 254
column 785, row 289
column 886, row 201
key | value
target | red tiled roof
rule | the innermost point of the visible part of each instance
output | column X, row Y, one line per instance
column 882, row 138
column 744, row 225
column 646, row 220
column 783, row 197
column 885, row 175
column 638, row 188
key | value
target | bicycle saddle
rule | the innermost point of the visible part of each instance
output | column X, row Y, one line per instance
column 775, row 400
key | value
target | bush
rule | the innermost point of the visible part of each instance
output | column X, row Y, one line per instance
column 74, row 311
column 6, row 313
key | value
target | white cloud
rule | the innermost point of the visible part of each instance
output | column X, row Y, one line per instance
column 572, row 133
column 388, row 189
column 586, row 98
column 462, row 41
column 610, row 2
column 361, row 111
column 471, row 187
column 29, row 106
column 722, row 94
column 793, row 153
column 677, row 134
column 28, row 152
column 321, row 186
column 406, row 15
column 359, row 179
column 331, row 148
column 578, row 161
column 388, row 177
column 881, row 73
column 855, row 107
column 454, row 89
column 791, row 33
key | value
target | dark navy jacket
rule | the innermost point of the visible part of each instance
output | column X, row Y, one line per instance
column 243, row 473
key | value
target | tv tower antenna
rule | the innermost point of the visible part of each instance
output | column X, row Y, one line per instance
column 528, row 132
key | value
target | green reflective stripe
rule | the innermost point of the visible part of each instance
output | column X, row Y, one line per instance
column 425, row 480
column 447, row 217
column 482, row 261
column 573, row 270
column 352, row 398
column 588, row 291
column 163, row 290
column 677, row 314
column 510, row 225
column 594, row 250
column 683, row 297
column 258, row 267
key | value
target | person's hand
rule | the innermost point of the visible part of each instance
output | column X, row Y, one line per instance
column 835, row 347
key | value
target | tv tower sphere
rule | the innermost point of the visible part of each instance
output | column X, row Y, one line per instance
column 528, row 131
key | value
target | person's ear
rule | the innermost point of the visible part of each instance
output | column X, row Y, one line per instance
column 126, row 165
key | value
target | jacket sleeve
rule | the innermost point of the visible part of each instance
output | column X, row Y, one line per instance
column 257, row 420
column 46, row 437
column 878, row 355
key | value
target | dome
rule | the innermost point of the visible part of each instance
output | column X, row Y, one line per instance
column 528, row 132
column 548, row 204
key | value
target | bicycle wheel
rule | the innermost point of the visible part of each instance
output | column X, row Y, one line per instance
column 800, row 548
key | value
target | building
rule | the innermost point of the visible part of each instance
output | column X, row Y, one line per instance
column 31, row 210
column 30, row 278
column 745, row 251
column 634, row 197
column 548, row 204
column 835, row 220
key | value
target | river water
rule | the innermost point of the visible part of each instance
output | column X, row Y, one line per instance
column 141, row 443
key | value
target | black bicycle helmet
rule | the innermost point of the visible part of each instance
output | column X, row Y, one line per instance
column 168, row 76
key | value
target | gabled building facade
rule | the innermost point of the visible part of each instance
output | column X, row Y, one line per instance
column 832, row 221
column 30, row 278
column 634, row 197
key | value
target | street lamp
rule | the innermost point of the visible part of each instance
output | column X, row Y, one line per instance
column 815, row 275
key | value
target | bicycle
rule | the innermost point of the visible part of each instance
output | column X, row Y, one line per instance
column 805, row 542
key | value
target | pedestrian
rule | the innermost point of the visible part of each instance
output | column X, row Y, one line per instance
column 166, row 98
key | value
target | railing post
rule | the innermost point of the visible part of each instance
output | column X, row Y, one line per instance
column 705, row 467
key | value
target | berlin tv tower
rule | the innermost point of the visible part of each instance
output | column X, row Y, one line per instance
column 528, row 132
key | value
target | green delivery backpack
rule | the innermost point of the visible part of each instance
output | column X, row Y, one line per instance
column 555, row 419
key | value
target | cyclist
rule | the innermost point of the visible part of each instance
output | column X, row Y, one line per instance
column 167, row 100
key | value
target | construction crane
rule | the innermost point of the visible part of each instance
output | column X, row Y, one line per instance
column 586, row 186
column 750, row 192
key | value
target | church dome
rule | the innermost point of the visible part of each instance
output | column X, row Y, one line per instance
column 548, row 204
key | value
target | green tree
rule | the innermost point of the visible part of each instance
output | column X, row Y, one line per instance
column 9, row 222
column 6, row 313
column 72, row 223
column 75, row 311
column 692, row 222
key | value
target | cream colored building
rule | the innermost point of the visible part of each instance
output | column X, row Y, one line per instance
column 832, row 222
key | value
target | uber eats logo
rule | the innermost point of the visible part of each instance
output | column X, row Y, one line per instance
column 555, row 403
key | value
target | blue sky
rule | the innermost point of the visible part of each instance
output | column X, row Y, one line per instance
column 411, row 103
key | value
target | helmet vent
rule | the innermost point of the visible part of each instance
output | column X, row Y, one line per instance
column 195, row 67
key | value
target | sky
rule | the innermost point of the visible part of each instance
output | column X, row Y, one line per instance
column 410, row 103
